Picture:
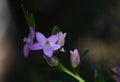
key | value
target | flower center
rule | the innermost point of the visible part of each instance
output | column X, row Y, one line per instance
column 47, row 42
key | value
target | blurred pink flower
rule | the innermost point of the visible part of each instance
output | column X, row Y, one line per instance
column 116, row 70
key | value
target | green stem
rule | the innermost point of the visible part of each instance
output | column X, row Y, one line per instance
column 77, row 77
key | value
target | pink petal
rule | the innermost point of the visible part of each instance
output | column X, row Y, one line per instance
column 118, row 80
column 65, row 34
column 71, row 52
column 40, row 37
column 62, row 50
column 53, row 38
column 75, row 51
column 31, row 33
column 26, row 50
column 55, row 46
column 116, row 70
column 48, row 51
column 36, row 46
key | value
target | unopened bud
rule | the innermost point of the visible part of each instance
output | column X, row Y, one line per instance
column 61, row 40
column 74, row 58
column 52, row 61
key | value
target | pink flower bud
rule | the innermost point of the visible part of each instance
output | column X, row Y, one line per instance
column 52, row 61
column 74, row 58
column 61, row 40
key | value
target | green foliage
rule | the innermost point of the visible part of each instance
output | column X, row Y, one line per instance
column 29, row 17
column 55, row 81
column 99, row 76
column 34, row 75
column 55, row 30
column 83, row 56
column 111, row 73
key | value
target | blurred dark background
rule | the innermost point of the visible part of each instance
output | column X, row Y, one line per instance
column 90, row 24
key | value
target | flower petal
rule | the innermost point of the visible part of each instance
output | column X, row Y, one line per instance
column 118, row 80
column 64, row 35
column 36, row 46
column 55, row 46
column 116, row 70
column 61, row 40
column 31, row 33
column 40, row 37
column 48, row 51
column 53, row 38
column 62, row 50
column 75, row 51
column 26, row 50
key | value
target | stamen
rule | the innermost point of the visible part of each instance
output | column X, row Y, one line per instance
column 47, row 42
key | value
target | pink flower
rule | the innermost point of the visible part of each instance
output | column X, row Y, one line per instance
column 48, row 45
column 116, row 70
column 29, row 42
column 75, row 58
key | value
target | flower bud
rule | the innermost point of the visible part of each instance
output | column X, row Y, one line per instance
column 74, row 58
column 61, row 40
column 52, row 61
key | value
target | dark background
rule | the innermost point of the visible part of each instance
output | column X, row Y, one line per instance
column 77, row 18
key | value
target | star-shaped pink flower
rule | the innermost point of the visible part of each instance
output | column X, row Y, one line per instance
column 48, row 45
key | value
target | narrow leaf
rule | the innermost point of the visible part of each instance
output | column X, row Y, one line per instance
column 55, row 30
column 99, row 76
column 111, row 73
column 29, row 17
column 83, row 56
column 56, row 81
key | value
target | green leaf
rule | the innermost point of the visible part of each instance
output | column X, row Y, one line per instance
column 55, row 81
column 29, row 17
column 55, row 30
column 83, row 56
column 99, row 76
column 111, row 73
column 34, row 74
